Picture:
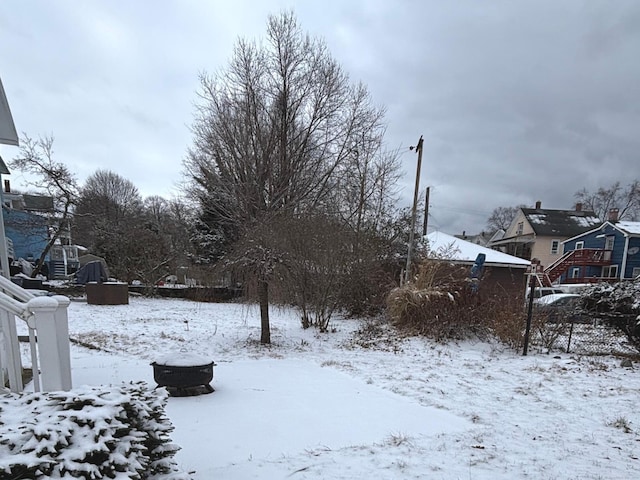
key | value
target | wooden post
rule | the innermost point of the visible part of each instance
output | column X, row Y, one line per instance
column 426, row 213
column 527, row 332
column 62, row 337
column 56, row 370
column 407, row 272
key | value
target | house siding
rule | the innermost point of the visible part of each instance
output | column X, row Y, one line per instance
column 596, row 239
column 540, row 229
column 542, row 250
column 513, row 228
column 28, row 232
column 633, row 259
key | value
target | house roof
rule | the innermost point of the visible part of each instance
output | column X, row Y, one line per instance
column 479, row 239
column 561, row 223
column 631, row 229
column 499, row 235
column 38, row 203
column 3, row 167
column 8, row 134
column 457, row 249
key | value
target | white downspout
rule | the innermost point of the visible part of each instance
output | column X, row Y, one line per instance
column 64, row 260
column 624, row 257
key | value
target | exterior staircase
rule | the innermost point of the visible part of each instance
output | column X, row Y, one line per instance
column 57, row 270
column 580, row 257
column 542, row 280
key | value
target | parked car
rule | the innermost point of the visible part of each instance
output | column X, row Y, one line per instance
column 562, row 307
column 540, row 292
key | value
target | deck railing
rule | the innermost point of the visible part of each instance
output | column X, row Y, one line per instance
column 48, row 325
column 585, row 256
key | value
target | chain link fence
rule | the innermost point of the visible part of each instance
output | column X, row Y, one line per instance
column 604, row 335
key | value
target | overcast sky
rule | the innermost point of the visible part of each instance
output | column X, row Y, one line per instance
column 518, row 101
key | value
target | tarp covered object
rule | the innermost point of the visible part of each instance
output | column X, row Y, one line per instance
column 91, row 272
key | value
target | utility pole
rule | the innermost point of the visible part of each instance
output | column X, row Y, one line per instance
column 418, row 148
column 426, row 212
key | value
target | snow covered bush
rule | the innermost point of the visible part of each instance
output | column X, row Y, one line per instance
column 92, row 433
column 618, row 304
column 621, row 297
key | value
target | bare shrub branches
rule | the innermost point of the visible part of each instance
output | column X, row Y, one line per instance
column 440, row 304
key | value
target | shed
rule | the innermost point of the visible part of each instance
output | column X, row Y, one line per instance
column 502, row 271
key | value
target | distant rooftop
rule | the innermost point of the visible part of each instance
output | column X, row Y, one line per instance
column 632, row 228
column 566, row 223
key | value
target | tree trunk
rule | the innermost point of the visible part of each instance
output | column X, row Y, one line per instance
column 43, row 255
column 263, row 295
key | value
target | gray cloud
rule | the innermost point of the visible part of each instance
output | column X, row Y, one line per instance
column 518, row 101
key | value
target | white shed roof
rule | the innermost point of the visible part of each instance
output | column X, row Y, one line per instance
column 457, row 249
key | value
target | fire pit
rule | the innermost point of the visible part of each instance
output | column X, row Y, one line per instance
column 183, row 373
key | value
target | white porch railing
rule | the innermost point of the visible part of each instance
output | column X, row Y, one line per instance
column 45, row 317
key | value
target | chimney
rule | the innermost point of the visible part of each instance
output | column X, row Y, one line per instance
column 578, row 207
column 613, row 215
column 538, row 205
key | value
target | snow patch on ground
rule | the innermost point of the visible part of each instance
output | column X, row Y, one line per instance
column 344, row 406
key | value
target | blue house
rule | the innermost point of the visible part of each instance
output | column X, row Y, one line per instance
column 607, row 253
column 28, row 231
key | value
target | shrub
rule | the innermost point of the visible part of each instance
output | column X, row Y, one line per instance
column 619, row 305
column 93, row 432
column 441, row 304
column 548, row 330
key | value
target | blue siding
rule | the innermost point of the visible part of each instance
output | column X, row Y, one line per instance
column 633, row 258
column 597, row 239
column 28, row 231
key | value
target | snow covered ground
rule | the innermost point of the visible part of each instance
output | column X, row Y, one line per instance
column 345, row 405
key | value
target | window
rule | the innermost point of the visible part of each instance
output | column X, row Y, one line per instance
column 610, row 272
column 555, row 247
column 608, row 243
column 636, row 272
column 575, row 272
column 520, row 228
column 579, row 245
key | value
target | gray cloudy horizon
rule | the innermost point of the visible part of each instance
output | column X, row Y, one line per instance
column 517, row 101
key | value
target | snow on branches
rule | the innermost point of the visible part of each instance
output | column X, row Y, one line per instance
column 91, row 433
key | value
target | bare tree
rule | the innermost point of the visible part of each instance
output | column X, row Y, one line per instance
column 36, row 158
column 501, row 217
column 363, row 192
column 114, row 222
column 172, row 221
column 105, row 201
column 270, row 134
column 625, row 199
